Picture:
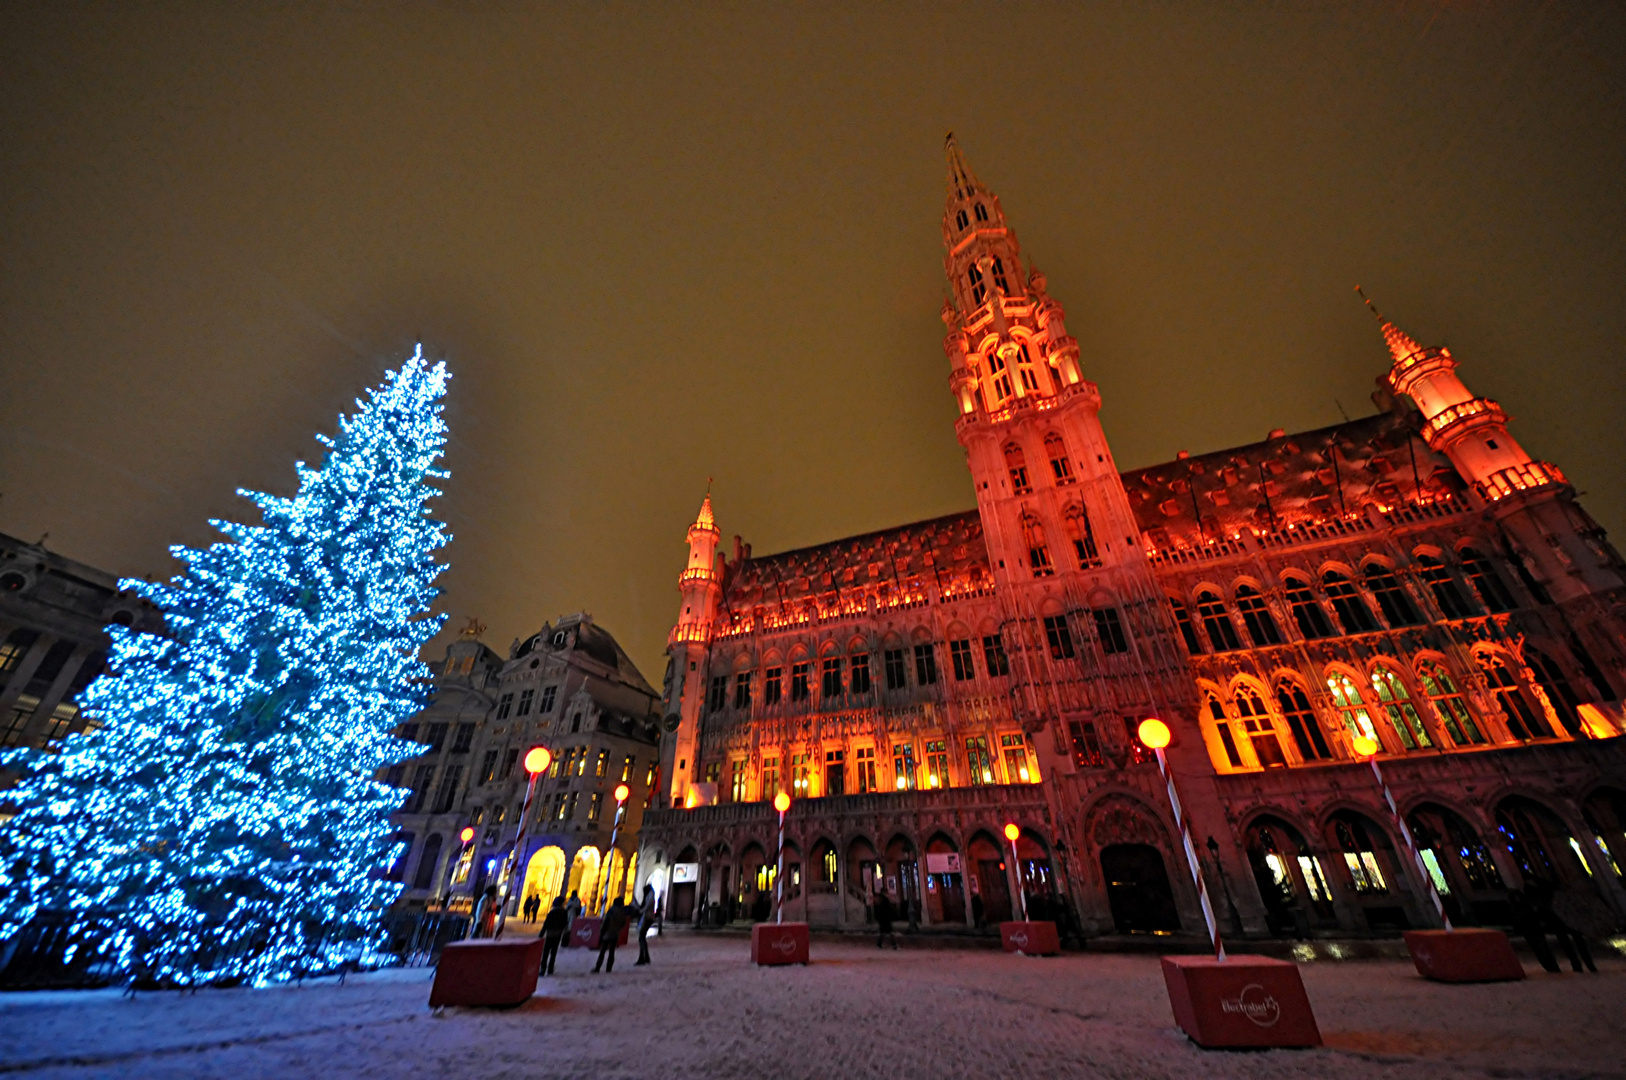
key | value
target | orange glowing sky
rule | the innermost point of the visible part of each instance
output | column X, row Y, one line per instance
column 665, row 244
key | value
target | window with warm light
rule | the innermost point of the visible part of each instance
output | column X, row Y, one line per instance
column 1014, row 749
column 977, row 758
column 770, row 778
column 1222, row 727
column 1396, row 705
column 835, row 772
column 1351, row 709
column 864, row 766
column 738, row 778
column 1360, row 859
column 903, row 766
column 1086, row 744
column 1442, row 693
column 937, row 774
column 1259, row 728
column 801, row 780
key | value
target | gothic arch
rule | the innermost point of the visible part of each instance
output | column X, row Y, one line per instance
column 1120, row 819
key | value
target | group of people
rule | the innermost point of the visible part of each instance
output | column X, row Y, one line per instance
column 1539, row 910
column 562, row 915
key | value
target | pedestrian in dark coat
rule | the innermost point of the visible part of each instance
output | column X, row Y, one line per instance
column 485, row 914
column 646, row 919
column 1527, row 923
column 609, row 932
column 883, row 921
column 554, row 928
column 573, row 908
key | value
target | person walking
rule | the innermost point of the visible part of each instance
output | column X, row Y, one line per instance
column 609, row 932
column 1527, row 923
column 553, row 932
column 573, row 908
column 485, row 915
column 646, row 919
column 883, row 920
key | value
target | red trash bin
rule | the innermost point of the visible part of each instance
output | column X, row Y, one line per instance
column 486, row 972
column 1240, row 1002
column 779, row 943
column 1470, row 954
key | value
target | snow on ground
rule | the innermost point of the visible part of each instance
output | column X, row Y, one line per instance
column 702, row 1010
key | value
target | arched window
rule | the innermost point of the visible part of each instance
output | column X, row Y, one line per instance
column 1222, row 725
column 1398, row 610
column 1256, row 616
column 1018, row 465
column 1350, row 706
column 1560, row 693
column 978, row 289
column 1360, row 857
column 1257, row 724
column 1038, row 550
column 1056, row 451
column 999, row 275
column 1182, row 619
column 1453, row 605
column 1221, row 631
column 1301, row 721
column 961, row 220
column 1082, row 535
column 1397, row 705
column 982, row 212
column 1448, row 705
column 425, row 877
column 1001, row 377
column 1355, row 616
column 1522, row 720
column 1492, row 593
column 1307, row 610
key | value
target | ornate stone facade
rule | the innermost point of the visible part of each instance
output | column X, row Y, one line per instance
column 1411, row 577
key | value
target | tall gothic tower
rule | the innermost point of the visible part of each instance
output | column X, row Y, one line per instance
column 687, row 647
column 1063, row 544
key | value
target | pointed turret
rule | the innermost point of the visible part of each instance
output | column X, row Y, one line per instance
column 1400, row 343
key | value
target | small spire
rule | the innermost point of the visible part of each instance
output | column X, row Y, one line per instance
column 705, row 520
column 1400, row 343
column 961, row 179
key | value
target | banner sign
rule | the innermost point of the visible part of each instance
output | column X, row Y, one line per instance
column 947, row 862
column 685, row 872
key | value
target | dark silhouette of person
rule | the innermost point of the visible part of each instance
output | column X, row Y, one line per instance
column 976, row 910
column 609, row 931
column 554, row 929
column 1569, row 938
column 883, row 921
column 1527, row 924
column 573, row 908
column 646, row 919
column 485, row 915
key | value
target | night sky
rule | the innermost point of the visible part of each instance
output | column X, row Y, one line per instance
column 658, row 246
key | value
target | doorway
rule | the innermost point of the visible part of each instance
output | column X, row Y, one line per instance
column 1138, row 889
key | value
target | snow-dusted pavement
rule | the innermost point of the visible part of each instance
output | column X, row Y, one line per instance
column 703, row 1011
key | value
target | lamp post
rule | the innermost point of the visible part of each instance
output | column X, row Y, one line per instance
column 465, row 838
column 537, row 759
column 1012, row 831
column 1155, row 734
column 781, row 803
column 1367, row 748
column 621, row 793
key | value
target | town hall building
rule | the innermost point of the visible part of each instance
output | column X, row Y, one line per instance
column 1414, row 577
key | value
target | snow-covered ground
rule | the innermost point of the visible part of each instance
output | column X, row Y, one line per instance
column 702, row 1010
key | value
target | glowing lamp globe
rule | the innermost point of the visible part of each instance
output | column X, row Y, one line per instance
column 781, row 802
column 467, row 834
column 1012, row 832
column 537, row 759
column 621, row 792
column 1365, row 745
column 1154, row 733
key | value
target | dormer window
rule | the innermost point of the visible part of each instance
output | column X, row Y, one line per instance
column 978, row 289
column 982, row 212
column 961, row 221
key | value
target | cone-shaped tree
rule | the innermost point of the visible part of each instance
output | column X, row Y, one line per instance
column 223, row 822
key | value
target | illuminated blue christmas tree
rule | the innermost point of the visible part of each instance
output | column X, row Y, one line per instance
column 225, row 820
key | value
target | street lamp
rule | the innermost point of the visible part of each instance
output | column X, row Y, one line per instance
column 537, row 760
column 1367, row 748
column 781, row 803
column 621, row 793
column 1012, row 831
column 1155, row 734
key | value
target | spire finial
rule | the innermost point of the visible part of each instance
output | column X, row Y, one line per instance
column 961, row 178
column 1400, row 343
column 705, row 520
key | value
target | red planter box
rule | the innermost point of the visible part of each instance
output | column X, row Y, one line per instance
column 1030, row 938
column 779, row 943
column 584, row 933
column 486, row 972
column 1242, row 1002
column 1473, row 954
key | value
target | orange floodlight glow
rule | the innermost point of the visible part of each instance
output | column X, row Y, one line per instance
column 1012, row 832
column 621, row 792
column 1364, row 745
column 1154, row 733
column 537, row 759
column 781, row 802
column 467, row 834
